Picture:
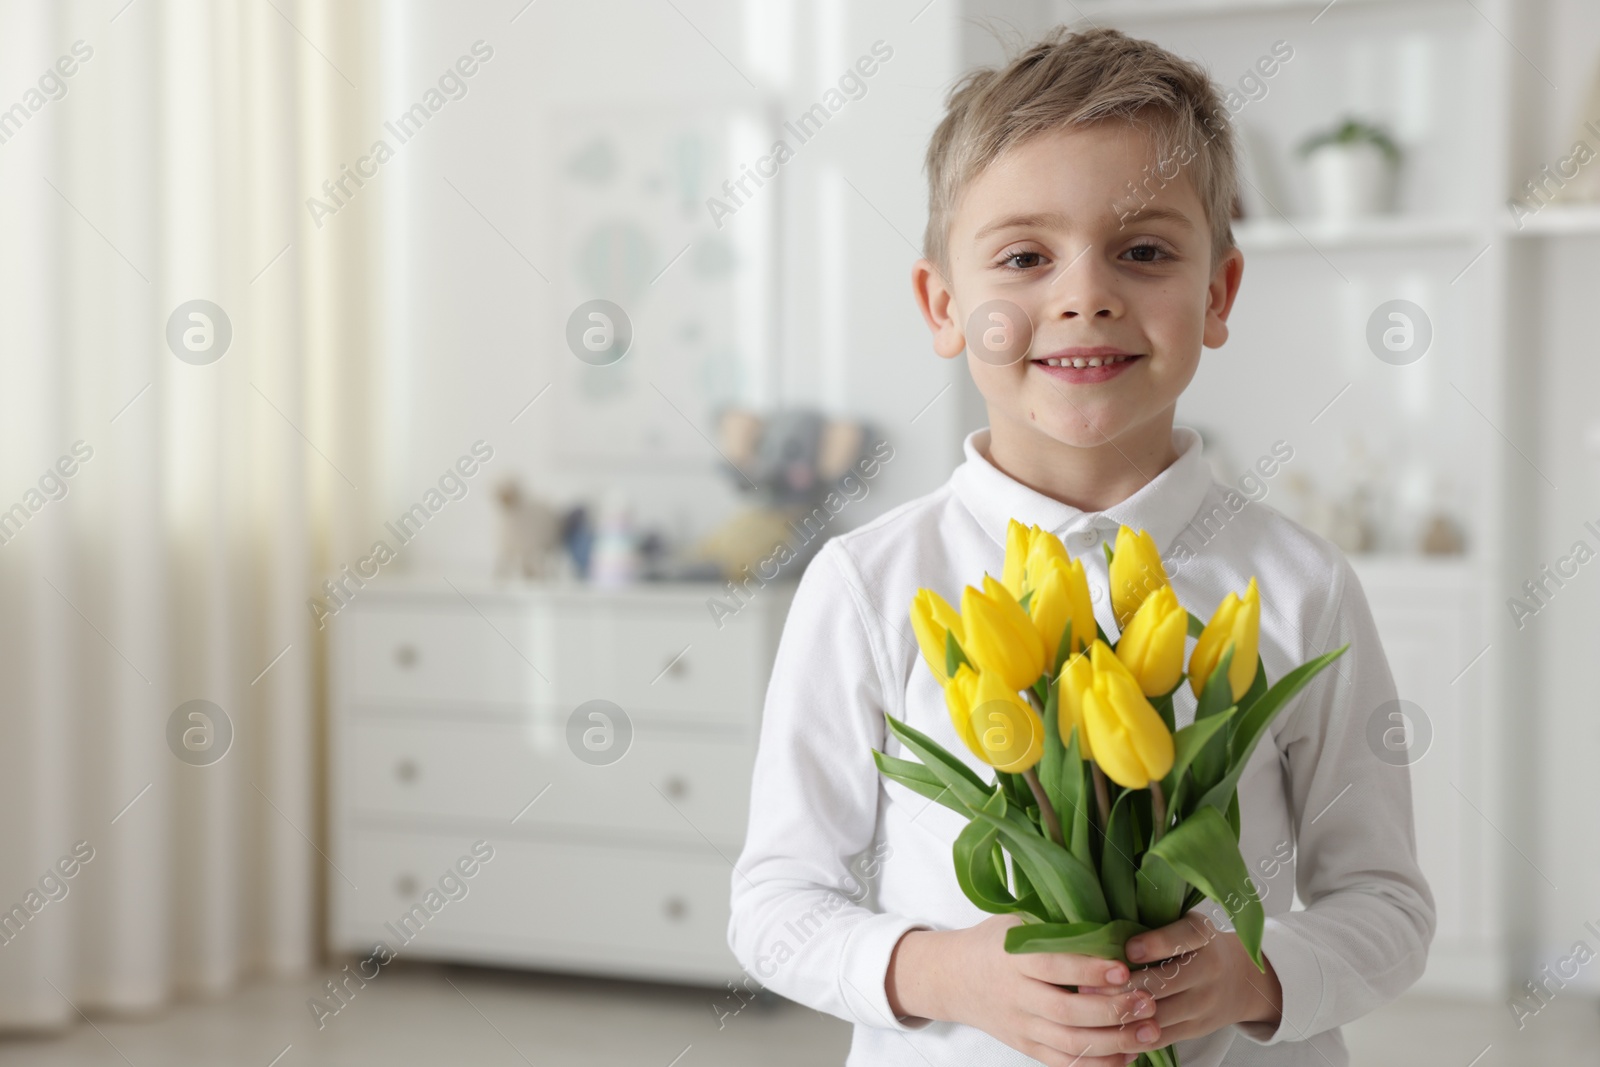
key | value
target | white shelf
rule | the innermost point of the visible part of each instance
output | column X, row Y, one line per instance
column 1382, row 231
column 1557, row 220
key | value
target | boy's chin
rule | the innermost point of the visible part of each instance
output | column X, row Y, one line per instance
column 1070, row 429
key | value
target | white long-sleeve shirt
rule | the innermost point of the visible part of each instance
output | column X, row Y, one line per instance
column 839, row 862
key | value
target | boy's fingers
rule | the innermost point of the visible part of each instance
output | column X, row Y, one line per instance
column 1124, row 1010
column 1100, row 1041
column 1187, row 934
column 1069, row 968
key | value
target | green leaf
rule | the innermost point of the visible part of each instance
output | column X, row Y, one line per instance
column 1061, row 651
column 1068, row 887
column 1186, row 745
column 1073, row 806
column 1107, row 546
column 1116, row 861
column 1197, row 625
column 975, row 854
column 969, row 789
column 1211, row 762
column 916, row 777
column 1105, row 940
column 1205, row 851
column 1052, row 764
column 1161, row 892
column 1253, row 723
column 1163, row 706
column 954, row 655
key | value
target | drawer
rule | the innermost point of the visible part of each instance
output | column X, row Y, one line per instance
column 644, row 911
column 447, row 654
column 672, row 786
column 672, row 658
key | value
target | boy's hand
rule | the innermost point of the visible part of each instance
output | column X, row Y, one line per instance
column 967, row 976
column 1205, row 979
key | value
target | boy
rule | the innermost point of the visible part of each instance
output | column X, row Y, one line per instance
column 1079, row 249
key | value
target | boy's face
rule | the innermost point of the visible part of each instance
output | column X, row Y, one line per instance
column 1048, row 234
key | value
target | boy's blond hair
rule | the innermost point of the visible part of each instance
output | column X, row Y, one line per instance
column 1068, row 79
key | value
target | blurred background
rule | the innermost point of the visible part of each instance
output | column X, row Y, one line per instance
column 407, row 410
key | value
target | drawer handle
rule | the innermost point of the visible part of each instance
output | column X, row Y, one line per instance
column 405, row 885
column 406, row 656
column 406, row 770
column 677, row 787
column 676, row 908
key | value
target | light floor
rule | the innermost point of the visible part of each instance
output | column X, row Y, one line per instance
column 429, row 1014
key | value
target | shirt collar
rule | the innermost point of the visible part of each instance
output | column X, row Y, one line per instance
column 1164, row 506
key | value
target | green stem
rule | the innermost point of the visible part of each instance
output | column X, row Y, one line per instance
column 1052, row 823
column 1102, row 796
column 1158, row 812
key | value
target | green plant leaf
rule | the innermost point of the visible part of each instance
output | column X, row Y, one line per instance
column 1107, row 546
column 1197, row 625
column 1161, row 891
column 975, row 855
column 1073, row 807
column 1163, row 706
column 1061, row 652
column 954, row 655
column 1211, row 761
column 1053, row 762
column 916, row 777
column 1117, row 873
column 1204, row 850
column 1068, row 887
column 1105, row 940
column 969, row 789
column 1254, row 723
column 1186, row 745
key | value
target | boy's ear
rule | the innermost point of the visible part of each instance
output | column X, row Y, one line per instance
column 939, row 309
column 1219, row 298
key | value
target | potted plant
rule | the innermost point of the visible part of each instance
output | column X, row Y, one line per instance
column 1353, row 168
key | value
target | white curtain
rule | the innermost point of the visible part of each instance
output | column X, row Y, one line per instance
column 164, row 518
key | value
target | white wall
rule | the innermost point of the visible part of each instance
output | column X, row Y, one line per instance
column 474, row 332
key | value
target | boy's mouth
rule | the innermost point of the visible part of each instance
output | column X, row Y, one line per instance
column 1086, row 366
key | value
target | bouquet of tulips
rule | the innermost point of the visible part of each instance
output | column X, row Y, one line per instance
column 1115, row 821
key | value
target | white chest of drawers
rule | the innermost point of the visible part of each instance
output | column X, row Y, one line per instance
column 453, row 721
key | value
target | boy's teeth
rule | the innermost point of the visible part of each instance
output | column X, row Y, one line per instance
column 1092, row 361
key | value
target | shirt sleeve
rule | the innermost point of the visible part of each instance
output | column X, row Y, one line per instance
column 797, row 925
column 1369, row 915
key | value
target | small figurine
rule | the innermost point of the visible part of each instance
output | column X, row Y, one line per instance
column 530, row 530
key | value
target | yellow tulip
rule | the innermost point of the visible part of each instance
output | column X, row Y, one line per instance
column 1152, row 645
column 1009, row 733
column 959, row 695
column 931, row 618
column 1236, row 624
column 1077, row 675
column 1000, row 638
column 1130, row 742
column 1062, row 596
column 1029, row 550
column 1136, row 572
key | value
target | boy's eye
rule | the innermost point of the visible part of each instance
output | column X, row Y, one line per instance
column 1157, row 253
column 1009, row 260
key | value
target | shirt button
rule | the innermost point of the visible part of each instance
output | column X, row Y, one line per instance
column 1085, row 538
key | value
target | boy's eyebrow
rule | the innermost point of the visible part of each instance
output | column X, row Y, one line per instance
column 1038, row 220
column 1057, row 220
column 1157, row 214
